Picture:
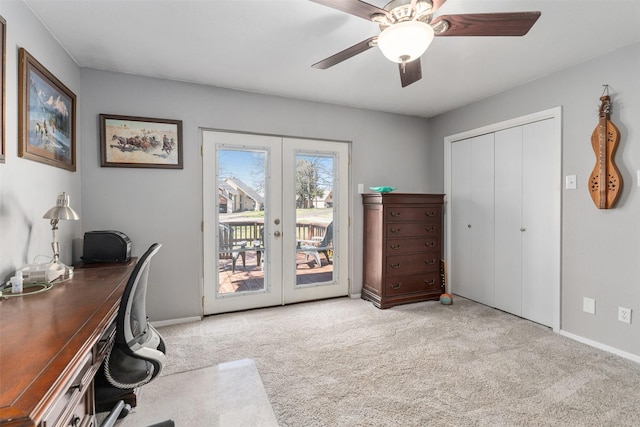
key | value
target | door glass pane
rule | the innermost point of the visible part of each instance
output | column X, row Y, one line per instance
column 241, row 204
column 315, row 189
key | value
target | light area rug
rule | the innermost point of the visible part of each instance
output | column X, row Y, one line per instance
column 343, row 362
column 226, row 395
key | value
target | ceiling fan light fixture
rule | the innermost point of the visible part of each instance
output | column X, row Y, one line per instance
column 405, row 41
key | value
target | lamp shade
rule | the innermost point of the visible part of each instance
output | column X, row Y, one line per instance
column 61, row 210
column 405, row 41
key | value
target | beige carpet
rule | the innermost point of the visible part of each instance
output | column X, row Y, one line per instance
column 344, row 362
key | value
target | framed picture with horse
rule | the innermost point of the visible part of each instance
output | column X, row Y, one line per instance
column 140, row 142
column 46, row 116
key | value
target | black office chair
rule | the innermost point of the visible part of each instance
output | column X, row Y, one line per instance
column 138, row 352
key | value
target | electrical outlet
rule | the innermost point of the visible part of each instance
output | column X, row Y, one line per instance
column 624, row 314
column 589, row 305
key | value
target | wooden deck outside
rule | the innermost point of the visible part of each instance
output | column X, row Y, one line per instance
column 251, row 276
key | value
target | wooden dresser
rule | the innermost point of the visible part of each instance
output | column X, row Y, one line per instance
column 402, row 248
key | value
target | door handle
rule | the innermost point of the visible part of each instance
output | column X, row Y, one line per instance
column 277, row 234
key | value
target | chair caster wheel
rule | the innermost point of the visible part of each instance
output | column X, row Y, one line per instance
column 125, row 411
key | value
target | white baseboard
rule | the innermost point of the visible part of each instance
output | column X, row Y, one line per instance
column 355, row 296
column 169, row 322
column 601, row 346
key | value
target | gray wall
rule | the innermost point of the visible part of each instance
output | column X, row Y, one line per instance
column 27, row 188
column 600, row 248
column 165, row 205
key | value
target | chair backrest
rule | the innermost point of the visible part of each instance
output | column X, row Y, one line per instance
column 137, row 355
column 225, row 243
column 327, row 240
column 131, row 322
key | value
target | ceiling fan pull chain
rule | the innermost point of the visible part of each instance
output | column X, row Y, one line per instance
column 403, row 60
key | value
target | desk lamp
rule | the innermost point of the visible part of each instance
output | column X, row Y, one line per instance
column 60, row 211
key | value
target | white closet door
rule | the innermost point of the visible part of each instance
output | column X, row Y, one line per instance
column 541, row 207
column 482, row 224
column 459, row 269
column 505, row 186
column 471, row 268
column 508, row 224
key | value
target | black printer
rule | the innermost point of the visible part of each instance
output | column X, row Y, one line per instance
column 106, row 246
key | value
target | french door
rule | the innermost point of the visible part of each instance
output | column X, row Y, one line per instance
column 275, row 226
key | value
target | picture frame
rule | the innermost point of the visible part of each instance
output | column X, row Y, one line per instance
column 46, row 116
column 140, row 142
column 3, row 57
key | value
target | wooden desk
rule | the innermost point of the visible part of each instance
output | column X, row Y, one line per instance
column 52, row 344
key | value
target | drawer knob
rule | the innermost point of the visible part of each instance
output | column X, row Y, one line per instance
column 396, row 230
column 430, row 261
column 430, row 282
column 394, row 214
column 430, row 228
column 397, row 265
column 430, row 213
column 430, row 244
column 394, row 246
column 396, row 286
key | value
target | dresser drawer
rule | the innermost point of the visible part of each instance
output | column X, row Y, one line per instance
column 399, row 229
column 404, row 246
column 413, row 214
column 398, row 285
column 414, row 263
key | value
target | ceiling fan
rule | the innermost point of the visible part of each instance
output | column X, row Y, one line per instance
column 408, row 27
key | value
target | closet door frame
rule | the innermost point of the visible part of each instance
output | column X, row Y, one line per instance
column 555, row 163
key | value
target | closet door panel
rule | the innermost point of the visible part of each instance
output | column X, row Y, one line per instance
column 482, row 221
column 508, row 220
column 459, row 268
column 540, row 205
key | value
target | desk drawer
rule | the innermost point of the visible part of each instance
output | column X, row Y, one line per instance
column 416, row 263
column 401, row 285
column 103, row 344
column 73, row 404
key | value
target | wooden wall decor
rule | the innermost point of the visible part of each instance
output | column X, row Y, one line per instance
column 605, row 182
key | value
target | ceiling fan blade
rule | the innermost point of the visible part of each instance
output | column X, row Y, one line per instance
column 354, row 7
column 345, row 54
column 488, row 24
column 437, row 4
column 410, row 72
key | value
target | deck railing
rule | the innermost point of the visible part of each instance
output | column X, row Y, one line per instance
column 250, row 231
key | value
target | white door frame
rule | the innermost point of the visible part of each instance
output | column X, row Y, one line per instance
column 555, row 164
column 344, row 227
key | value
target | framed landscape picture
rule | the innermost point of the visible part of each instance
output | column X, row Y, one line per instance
column 3, row 49
column 46, row 116
column 140, row 142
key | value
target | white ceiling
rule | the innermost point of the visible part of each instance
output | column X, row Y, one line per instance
column 268, row 46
